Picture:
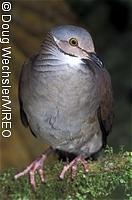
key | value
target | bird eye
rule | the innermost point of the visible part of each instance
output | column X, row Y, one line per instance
column 73, row 42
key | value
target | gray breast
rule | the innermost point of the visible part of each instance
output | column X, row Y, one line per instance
column 59, row 104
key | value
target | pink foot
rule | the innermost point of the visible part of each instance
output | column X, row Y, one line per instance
column 73, row 165
column 36, row 165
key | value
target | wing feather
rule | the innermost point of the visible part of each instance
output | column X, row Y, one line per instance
column 105, row 111
column 22, row 112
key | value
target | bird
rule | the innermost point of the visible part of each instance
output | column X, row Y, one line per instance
column 66, row 99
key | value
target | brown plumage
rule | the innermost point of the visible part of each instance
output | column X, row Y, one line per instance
column 106, row 104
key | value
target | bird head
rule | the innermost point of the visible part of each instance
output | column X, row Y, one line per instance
column 71, row 44
column 72, row 40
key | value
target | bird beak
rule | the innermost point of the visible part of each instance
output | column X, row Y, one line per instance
column 93, row 57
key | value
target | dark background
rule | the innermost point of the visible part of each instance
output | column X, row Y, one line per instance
column 110, row 24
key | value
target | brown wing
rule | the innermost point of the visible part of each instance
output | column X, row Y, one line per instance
column 105, row 111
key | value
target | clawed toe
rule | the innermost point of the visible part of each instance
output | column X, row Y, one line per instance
column 73, row 166
column 35, row 166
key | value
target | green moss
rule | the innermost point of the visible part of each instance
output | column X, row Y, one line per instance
column 108, row 178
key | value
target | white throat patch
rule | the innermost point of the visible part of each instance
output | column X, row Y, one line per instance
column 72, row 61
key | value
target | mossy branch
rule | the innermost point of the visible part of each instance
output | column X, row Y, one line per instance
column 108, row 178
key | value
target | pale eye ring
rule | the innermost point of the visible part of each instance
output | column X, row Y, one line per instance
column 73, row 42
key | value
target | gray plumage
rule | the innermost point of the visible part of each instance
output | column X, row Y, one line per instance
column 65, row 93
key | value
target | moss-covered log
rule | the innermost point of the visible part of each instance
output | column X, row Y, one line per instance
column 109, row 177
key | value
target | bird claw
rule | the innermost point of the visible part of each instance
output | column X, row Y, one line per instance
column 35, row 166
column 73, row 165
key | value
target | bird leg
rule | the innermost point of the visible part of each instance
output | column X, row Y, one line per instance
column 35, row 166
column 73, row 165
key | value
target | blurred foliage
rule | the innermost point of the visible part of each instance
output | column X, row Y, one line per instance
column 102, row 181
column 109, row 22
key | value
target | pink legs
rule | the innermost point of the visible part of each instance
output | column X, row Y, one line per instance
column 73, row 165
column 36, row 165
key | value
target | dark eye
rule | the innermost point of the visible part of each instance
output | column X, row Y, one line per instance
column 73, row 42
